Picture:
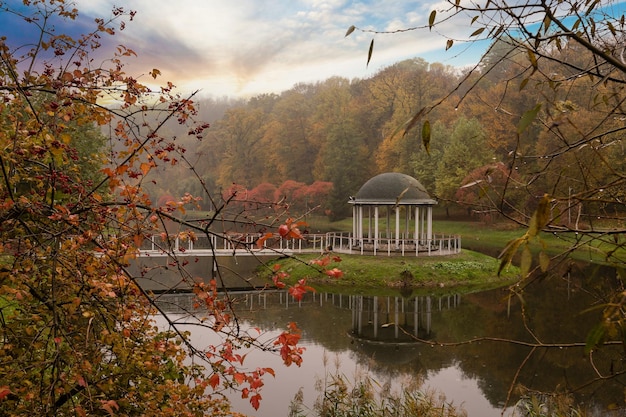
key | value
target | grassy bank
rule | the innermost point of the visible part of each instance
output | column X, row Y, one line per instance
column 491, row 238
column 467, row 271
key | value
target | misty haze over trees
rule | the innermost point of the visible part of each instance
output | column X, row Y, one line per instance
column 324, row 140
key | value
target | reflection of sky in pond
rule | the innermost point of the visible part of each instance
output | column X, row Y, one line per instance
column 278, row 392
column 463, row 391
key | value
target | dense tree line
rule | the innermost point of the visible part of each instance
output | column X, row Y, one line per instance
column 344, row 131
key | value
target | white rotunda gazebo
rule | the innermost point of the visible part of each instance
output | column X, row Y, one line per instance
column 405, row 206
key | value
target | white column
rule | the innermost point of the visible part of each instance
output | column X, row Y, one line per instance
column 423, row 232
column 375, row 228
column 361, row 225
column 397, row 209
column 417, row 225
column 430, row 222
column 355, row 219
column 369, row 223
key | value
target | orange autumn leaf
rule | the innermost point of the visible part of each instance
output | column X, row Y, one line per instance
column 121, row 169
column 138, row 240
column 239, row 378
column 261, row 241
column 145, row 167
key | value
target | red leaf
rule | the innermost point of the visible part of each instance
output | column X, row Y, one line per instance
column 4, row 392
column 214, row 380
column 256, row 383
column 335, row 273
column 277, row 282
column 291, row 229
column 255, row 401
column 297, row 292
column 323, row 261
column 299, row 289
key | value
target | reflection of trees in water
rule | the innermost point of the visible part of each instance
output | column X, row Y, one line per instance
column 379, row 326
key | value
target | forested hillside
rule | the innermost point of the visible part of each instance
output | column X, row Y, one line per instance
column 316, row 144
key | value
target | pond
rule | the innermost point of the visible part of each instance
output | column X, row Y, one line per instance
column 357, row 335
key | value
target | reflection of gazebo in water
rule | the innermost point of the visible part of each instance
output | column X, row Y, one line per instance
column 404, row 198
column 391, row 319
column 396, row 320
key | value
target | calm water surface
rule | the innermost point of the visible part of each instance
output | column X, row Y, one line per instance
column 375, row 335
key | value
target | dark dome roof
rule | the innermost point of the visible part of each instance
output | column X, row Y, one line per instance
column 392, row 188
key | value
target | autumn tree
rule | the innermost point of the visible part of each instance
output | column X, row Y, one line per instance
column 484, row 189
column 313, row 197
column 77, row 335
column 424, row 163
column 401, row 90
column 241, row 131
column 288, row 137
column 202, row 152
column 570, row 64
column 458, row 158
column 343, row 159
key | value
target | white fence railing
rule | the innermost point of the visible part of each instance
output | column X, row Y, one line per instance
column 439, row 244
column 241, row 243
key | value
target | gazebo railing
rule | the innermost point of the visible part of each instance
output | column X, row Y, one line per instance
column 439, row 244
column 340, row 242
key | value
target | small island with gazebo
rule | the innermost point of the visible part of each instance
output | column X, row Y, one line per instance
column 392, row 219
column 393, row 244
column 392, row 214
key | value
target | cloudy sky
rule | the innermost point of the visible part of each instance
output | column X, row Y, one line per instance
column 240, row 48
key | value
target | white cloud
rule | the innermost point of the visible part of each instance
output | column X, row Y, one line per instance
column 248, row 47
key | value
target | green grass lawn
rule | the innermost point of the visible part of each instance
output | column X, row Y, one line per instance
column 492, row 238
column 467, row 271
